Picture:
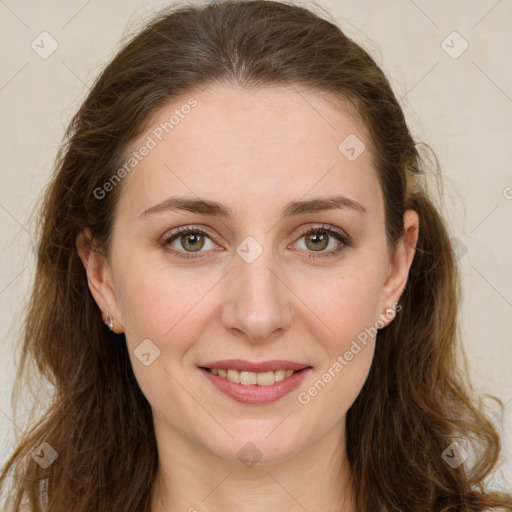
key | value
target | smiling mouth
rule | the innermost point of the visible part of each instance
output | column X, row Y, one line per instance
column 252, row 378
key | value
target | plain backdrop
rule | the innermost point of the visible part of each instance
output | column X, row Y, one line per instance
column 448, row 62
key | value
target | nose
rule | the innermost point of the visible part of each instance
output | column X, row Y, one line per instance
column 257, row 305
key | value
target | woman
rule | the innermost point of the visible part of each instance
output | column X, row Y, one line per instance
column 244, row 295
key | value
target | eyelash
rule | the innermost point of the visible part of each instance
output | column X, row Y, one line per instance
column 342, row 237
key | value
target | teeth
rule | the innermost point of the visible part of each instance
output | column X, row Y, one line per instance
column 234, row 376
column 280, row 375
column 251, row 378
column 265, row 378
column 248, row 378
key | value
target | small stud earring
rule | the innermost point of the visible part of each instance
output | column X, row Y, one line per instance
column 110, row 322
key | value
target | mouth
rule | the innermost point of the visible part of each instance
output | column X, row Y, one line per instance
column 252, row 378
column 255, row 383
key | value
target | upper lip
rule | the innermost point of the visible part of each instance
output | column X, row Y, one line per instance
column 243, row 365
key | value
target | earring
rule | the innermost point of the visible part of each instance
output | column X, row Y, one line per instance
column 390, row 313
column 109, row 321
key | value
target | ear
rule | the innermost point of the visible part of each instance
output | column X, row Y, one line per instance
column 99, row 279
column 399, row 266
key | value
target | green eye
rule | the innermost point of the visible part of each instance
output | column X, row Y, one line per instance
column 190, row 240
column 317, row 239
column 186, row 241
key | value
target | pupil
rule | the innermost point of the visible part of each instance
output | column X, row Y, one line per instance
column 317, row 239
column 188, row 242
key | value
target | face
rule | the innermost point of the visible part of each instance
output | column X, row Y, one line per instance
column 286, row 267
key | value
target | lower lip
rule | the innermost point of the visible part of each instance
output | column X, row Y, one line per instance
column 254, row 394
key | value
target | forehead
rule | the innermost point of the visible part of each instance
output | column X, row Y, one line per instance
column 252, row 146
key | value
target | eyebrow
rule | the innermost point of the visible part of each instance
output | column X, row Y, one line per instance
column 293, row 208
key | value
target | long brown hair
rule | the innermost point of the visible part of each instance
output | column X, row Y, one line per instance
column 415, row 401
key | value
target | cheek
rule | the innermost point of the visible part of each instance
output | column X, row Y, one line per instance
column 347, row 351
column 166, row 309
column 157, row 299
column 346, row 302
column 349, row 313
column 336, row 387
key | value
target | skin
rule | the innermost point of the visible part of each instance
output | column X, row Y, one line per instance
column 254, row 151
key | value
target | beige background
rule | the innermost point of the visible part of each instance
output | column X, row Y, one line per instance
column 461, row 106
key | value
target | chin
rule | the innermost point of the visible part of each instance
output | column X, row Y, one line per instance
column 261, row 444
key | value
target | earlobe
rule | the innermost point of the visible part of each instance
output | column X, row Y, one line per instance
column 99, row 280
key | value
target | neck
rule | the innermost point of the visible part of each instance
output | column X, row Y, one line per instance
column 192, row 480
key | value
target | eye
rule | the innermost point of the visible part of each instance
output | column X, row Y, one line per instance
column 188, row 240
column 319, row 238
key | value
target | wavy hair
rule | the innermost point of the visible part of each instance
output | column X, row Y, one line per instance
column 416, row 399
